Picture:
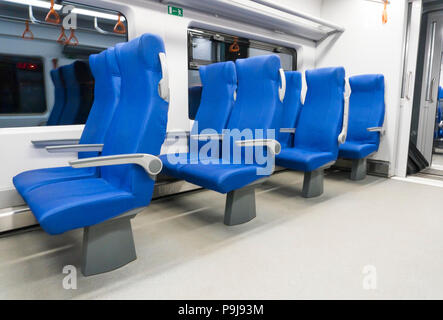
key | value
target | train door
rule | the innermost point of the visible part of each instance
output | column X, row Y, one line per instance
column 430, row 86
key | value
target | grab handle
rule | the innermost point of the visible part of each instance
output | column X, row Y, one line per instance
column 52, row 16
column 119, row 26
column 27, row 34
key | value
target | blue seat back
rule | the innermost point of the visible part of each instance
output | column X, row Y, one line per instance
column 140, row 119
column 59, row 97
column 291, row 106
column 321, row 117
column 257, row 102
column 194, row 97
column 106, row 74
column 366, row 108
column 219, row 82
column 79, row 93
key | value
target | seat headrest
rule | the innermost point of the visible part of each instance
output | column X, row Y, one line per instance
column 227, row 69
column 367, row 82
column 82, row 71
column 264, row 67
column 293, row 80
column 97, row 63
column 57, row 80
column 111, row 61
column 142, row 50
column 68, row 74
column 326, row 75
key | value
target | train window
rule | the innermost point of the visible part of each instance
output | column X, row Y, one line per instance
column 39, row 59
column 22, row 88
column 206, row 47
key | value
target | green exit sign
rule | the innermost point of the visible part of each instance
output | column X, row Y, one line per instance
column 175, row 11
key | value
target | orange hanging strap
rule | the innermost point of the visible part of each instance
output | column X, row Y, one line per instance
column 234, row 47
column 72, row 40
column 52, row 16
column 119, row 26
column 384, row 17
column 27, row 34
column 62, row 37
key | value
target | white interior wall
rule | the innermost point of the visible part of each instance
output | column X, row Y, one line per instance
column 149, row 16
column 368, row 46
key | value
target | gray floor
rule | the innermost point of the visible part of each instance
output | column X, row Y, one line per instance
column 295, row 248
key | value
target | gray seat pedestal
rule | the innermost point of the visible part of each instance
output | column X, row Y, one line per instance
column 240, row 206
column 108, row 245
column 313, row 183
column 358, row 171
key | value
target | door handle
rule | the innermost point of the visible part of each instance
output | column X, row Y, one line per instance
column 408, row 87
column 430, row 91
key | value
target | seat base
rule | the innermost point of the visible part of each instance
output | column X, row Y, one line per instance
column 313, row 183
column 240, row 206
column 358, row 171
column 108, row 245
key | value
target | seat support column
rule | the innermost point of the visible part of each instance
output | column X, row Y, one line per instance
column 358, row 171
column 108, row 245
column 240, row 206
column 313, row 183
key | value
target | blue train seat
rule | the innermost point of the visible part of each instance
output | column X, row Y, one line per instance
column 107, row 92
column 219, row 82
column 366, row 116
column 79, row 93
column 291, row 108
column 59, row 98
column 104, row 205
column 319, row 126
column 194, row 98
column 258, row 100
column 439, row 117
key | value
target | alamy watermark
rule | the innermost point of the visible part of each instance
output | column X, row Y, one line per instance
column 209, row 147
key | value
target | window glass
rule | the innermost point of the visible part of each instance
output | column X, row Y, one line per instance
column 30, row 48
column 210, row 47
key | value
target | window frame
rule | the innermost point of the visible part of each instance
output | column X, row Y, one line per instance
column 193, row 64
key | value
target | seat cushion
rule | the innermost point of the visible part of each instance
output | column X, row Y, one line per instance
column 173, row 162
column 355, row 150
column 220, row 177
column 303, row 160
column 28, row 180
column 67, row 205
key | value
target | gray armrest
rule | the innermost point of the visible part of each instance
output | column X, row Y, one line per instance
column 175, row 134
column 54, row 142
column 75, row 148
column 152, row 164
column 272, row 145
column 287, row 130
column 204, row 137
column 377, row 129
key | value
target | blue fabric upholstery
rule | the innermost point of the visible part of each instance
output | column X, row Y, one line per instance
column 138, row 126
column 219, row 82
column 255, row 108
column 79, row 93
column 320, row 122
column 59, row 98
column 194, row 97
column 366, row 110
column 291, row 107
column 107, row 92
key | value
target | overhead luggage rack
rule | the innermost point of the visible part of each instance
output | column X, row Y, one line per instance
column 267, row 15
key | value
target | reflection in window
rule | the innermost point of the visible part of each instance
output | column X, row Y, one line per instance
column 206, row 47
column 42, row 67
